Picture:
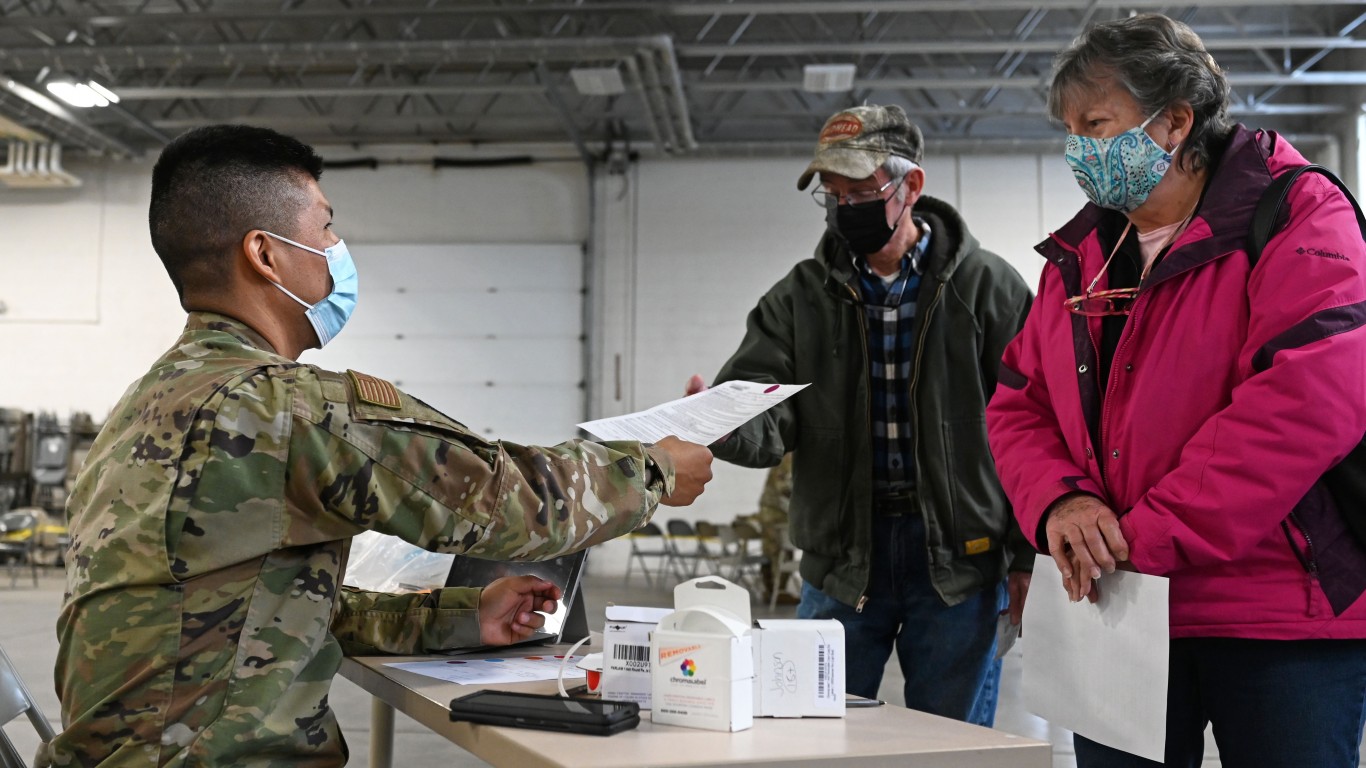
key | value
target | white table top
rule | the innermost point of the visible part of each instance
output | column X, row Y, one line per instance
column 873, row 736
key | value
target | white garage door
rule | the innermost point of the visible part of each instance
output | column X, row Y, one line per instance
column 490, row 334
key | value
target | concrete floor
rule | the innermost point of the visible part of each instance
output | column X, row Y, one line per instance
column 27, row 635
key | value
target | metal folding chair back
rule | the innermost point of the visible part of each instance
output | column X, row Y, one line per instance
column 684, row 545
column 15, row 700
column 641, row 540
column 788, row 565
column 736, row 562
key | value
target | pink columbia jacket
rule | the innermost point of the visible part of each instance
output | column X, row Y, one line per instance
column 1231, row 392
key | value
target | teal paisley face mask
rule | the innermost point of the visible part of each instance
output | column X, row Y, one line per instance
column 1121, row 171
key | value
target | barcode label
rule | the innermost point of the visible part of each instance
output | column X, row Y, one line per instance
column 631, row 652
column 825, row 672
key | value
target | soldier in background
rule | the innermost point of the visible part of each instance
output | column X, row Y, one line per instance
column 771, row 524
column 204, row 617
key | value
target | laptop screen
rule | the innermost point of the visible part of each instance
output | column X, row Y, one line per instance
column 563, row 571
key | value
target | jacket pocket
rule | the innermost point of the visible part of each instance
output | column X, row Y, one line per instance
column 977, row 506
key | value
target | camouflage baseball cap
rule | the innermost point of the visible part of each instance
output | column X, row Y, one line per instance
column 857, row 141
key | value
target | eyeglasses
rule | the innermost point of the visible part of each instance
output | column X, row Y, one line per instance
column 1117, row 301
column 828, row 200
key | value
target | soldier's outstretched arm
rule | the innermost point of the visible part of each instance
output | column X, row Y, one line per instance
column 366, row 456
column 369, row 623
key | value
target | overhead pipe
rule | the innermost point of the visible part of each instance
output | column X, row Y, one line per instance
column 665, row 48
column 661, row 107
column 651, row 119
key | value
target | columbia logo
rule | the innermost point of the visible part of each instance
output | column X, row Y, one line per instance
column 1325, row 254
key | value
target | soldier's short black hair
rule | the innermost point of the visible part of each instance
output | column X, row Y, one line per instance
column 213, row 185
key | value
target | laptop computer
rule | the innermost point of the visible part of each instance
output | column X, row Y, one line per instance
column 569, row 623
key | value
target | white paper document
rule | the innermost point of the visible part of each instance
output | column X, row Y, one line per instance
column 703, row 418
column 1099, row 670
column 494, row 671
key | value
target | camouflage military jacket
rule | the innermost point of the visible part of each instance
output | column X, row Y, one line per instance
column 210, row 528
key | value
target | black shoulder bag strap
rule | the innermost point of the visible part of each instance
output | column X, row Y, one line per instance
column 1265, row 218
column 1346, row 482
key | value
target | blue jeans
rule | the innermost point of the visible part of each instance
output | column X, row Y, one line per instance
column 1273, row 703
column 946, row 653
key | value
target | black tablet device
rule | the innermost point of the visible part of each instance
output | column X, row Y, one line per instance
column 567, row 624
column 547, row 712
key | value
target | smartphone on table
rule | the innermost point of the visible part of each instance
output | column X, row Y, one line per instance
column 547, row 712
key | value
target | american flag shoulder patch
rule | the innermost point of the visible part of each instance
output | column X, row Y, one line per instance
column 373, row 391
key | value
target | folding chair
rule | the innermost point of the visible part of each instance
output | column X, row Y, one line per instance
column 15, row 700
column 647, row 533
column 788, row 565
column 684, row 545
column 708, row 545
column 736, row 562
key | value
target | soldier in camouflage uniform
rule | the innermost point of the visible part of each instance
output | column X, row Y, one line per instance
column 769, row 521
column 205, row 617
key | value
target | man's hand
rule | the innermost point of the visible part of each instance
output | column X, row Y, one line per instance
column 695, row 384
column 692, row 470
column 1085, row 541
column 1017, row 589
column 507, row 608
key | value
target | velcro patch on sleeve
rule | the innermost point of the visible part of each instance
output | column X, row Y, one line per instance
column 373, row 391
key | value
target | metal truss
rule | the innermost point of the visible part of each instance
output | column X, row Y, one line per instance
column 712, row 77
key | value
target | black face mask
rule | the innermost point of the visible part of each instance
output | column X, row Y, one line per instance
column 863, row 226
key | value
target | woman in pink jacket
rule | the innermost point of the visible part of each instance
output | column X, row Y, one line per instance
column 1170, row 409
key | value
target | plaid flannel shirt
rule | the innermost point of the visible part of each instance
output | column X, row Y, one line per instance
column 890, row 306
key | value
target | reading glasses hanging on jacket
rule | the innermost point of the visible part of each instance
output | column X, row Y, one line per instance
column 1118, row 301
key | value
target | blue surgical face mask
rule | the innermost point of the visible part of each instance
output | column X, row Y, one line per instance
column 329, row 315
column 1119, row 172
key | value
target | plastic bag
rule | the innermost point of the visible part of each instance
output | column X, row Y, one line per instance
column 383, row 563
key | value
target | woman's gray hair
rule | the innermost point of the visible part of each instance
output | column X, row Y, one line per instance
column 1160, row 62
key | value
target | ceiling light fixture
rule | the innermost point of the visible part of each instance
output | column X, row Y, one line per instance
column 87, row 94
column 828, row 78
column 597, row 81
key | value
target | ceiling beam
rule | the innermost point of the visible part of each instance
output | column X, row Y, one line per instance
column 164, row 93
column 397, row 89
column 968, row 83
column 941, row 46
column 554, row 49
column 272, row 12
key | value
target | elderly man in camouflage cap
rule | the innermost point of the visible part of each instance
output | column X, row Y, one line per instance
column 210, row 526
column 898, row 323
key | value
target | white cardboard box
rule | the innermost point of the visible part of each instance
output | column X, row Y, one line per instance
column 703, row 658
column 799, row 668
column 626, row 652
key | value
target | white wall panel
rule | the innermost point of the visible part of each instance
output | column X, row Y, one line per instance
column 529, row 414
column 51, row 248
column 538, row 203
column 445, row 322
column 550, row 361
column 941, row 178
column 438, row 312
column 468, row 267
column 1001, row 203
